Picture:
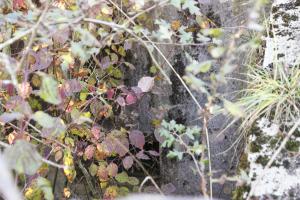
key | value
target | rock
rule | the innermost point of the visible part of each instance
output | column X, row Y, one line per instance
column 283, row 42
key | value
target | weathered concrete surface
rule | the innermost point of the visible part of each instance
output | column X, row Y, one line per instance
column 185, row 111
column 283, row 43
column 281, row 181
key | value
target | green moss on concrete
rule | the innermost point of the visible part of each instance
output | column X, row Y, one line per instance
column 292, row 145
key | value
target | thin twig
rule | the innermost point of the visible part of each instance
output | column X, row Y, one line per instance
column 33, row 34
column 136, row 160
column 49, row 162
column 16, row 38
column 152, row 181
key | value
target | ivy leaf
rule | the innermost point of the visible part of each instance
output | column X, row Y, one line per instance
column 137, row 139
column 176, row 3
column 146, row 83
column 49, row 89
column 191, row 5
column 127, row 162
column 23, row 157
column 175, row 154
column 164, row 32
column 185, row 37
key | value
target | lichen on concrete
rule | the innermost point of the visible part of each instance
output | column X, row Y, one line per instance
column 283, row 41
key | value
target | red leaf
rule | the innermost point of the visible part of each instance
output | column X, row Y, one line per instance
column 137, row 139
column 43, row 59
column 127, row 162
column 112, row 169
column 71, row 86
column 146, row 83
column 89, row 152
column 105, row 62
column 19, row 4
column 110, row 94
column 96, row 132
column 122, row 150
column 10, row 89
column 131, row 99
column 61, row 36
column 102, row 173
column 141, row 155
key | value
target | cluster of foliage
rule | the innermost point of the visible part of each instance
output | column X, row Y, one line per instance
column 62, row 79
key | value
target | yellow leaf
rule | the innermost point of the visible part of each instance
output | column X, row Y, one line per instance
column 175, row 25
column 69, row 163
column 67, row 192
column 106, row 10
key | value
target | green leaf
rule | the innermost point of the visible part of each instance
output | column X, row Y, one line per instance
column 133, row 181
column 197, row 67
column 78, row 50
column 23, row 157
column 175, row 154
column 176, row 3
column 233, row 109
column 213, row 32
column 164, row 31
column 122, row 177
column 217, row 52
column 44, row 119
column 49, row 89
column 185, row 37
column 191, row 5
column 45, row 185
column 93, row 169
